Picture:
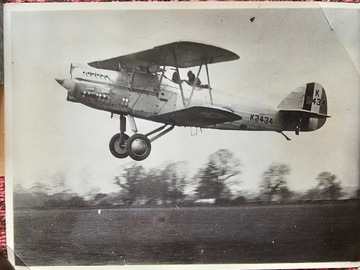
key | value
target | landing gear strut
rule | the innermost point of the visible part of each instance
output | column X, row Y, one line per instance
column 118, row 142
column 138, row 146
column 298, row 125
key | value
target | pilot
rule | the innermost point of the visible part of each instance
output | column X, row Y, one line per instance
column 176, row 77
column 192, row 80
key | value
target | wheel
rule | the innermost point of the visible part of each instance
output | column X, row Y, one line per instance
column 118, row 150
column 138, row 147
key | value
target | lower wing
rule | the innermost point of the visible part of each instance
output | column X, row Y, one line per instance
column 197, row 116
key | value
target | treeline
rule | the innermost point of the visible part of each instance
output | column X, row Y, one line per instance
column 216, row 182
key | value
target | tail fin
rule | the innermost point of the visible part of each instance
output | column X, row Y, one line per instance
column 311, row 98
column 309, row 103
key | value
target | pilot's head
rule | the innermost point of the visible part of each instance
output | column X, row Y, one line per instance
column 175, row 76
column 190, row 74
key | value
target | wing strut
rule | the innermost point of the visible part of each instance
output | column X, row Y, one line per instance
column 193, row 88
column 186, row 104
column 162, row 76
column 177, row 70
column 132, row 76
column 208, row 78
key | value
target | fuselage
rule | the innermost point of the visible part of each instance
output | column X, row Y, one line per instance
column 145, row 95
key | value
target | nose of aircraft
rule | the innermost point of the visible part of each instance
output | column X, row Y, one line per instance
column 66, row 83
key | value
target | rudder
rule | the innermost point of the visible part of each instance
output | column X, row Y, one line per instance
column 315, row 99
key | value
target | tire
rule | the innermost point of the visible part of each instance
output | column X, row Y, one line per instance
column 138, row 147
column 117, row 150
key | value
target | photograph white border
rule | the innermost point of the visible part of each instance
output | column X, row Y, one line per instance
column 9, row 8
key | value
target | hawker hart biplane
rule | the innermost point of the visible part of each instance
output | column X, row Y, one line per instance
column 138, row 85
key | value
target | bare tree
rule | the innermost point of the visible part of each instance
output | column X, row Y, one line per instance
column 19, row 189
column 59, row 183
column 274, row 182
column 154, row 185
column 218, row 175
column 40, row 188
column 312, row 194
column 329, row 187
column 176, row 179
column 131, row 180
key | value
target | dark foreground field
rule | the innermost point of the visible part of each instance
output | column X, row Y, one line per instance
column 244, row 234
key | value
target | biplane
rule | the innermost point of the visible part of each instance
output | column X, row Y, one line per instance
column 150, row 85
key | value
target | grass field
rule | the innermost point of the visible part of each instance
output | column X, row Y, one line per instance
column 243, row 234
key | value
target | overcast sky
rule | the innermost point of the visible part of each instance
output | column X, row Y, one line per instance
column 279, row 51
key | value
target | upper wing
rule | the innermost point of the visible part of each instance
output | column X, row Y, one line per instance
column 197, row 116
column 187, row 54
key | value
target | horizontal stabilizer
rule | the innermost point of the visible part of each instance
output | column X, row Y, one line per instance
column 310, row 114
column 197, row 116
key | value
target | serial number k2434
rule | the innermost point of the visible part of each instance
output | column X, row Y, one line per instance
column 261, row 119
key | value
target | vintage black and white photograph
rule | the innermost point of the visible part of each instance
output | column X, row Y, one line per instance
column 172, row 134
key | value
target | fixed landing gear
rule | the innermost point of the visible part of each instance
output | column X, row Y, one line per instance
column 118, row 142
column 138, row 146
column 117, row 145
